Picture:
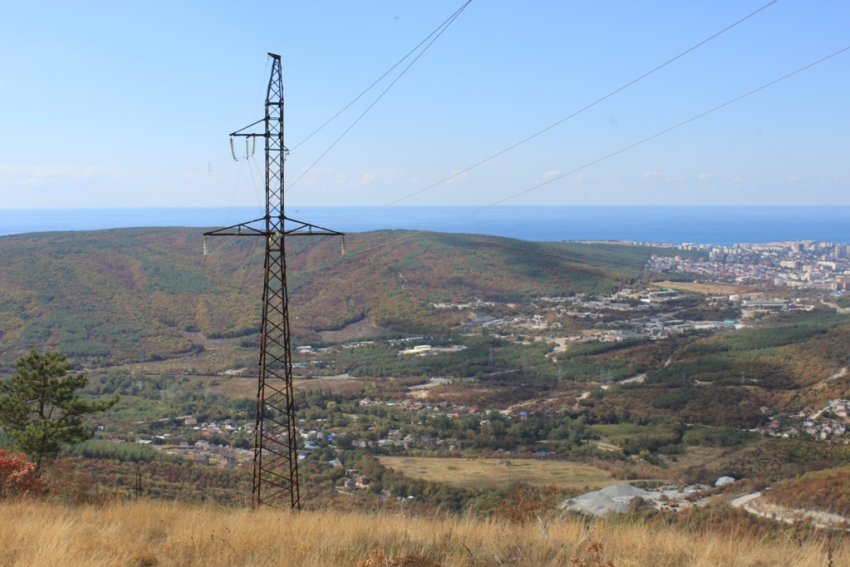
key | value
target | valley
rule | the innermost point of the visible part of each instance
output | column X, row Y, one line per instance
column 426, row 368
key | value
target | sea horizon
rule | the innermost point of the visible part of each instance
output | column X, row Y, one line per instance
column 672, row 224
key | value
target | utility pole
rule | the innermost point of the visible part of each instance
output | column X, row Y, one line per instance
column 275, row 444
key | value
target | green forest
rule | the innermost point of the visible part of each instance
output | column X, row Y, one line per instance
column 125, row 295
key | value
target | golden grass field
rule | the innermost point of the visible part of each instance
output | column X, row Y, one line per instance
column 724, row 289
column 476, row 473
column 155, row 533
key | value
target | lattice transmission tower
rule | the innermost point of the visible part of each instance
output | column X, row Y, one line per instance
column 275, row 440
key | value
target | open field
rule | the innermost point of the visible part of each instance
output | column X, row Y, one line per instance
column 615, row 433
column 475, row 473
column 724, row 289
column 148, row 533
column 208, row 362
column 702, row 456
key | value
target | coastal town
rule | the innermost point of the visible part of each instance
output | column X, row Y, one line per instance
column 807, row 264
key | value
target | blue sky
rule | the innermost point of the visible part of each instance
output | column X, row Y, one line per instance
column 129, row 104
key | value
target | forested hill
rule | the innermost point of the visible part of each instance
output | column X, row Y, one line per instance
column 127, row 294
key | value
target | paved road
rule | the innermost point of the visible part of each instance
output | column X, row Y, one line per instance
column 835, row 306
column 741, row 500
column 639, row 379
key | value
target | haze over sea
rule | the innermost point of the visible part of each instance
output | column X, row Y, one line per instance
column 722, row 225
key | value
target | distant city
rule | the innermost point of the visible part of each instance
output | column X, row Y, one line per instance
column 809, row 264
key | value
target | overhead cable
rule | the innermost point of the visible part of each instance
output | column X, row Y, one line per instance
column 444, row 27
column 561, row 121
column 621, row 150
column 400, row 61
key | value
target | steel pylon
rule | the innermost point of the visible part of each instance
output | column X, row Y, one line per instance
column 275, row 438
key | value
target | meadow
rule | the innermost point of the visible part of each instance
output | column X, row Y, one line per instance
column 701, row 287
column 477, row 473
column 149, row 533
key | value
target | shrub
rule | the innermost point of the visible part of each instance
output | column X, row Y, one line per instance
column 17, row 476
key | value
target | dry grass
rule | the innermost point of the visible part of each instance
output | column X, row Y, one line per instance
column 698, row 456
column 724, row 289
column 151, row 533
column 476, row 473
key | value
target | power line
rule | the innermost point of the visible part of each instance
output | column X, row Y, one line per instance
column 444, row 28
column 400, row 61
column 561, row 121
column 621, row 150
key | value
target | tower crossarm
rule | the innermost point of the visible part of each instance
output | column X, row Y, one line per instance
column 300, row 228
column 241, row 229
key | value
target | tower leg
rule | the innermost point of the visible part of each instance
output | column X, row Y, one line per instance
column 276, row 450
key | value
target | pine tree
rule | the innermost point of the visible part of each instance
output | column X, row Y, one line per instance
column 40, row 408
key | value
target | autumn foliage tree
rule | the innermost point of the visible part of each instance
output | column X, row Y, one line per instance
column 41, row 409
column 527, row 502
column 17, row 476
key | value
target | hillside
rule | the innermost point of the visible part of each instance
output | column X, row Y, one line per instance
column 727, row 378
column 821, row 490
column 577, row 363
column 159, row 533
column 144, row 294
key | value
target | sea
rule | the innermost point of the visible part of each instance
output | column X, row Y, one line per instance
column 720, row 225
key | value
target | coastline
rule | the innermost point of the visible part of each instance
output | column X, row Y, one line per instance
column 719, row 225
